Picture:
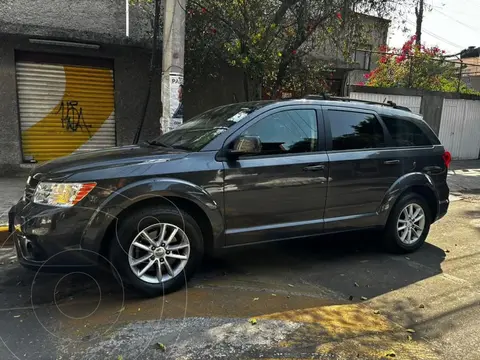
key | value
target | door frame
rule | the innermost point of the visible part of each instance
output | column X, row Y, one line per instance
column 328, row 129
column 321, row 143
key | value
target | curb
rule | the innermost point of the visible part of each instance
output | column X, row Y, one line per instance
column 5, row 238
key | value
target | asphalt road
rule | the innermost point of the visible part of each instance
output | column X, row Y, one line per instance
column 329, row 298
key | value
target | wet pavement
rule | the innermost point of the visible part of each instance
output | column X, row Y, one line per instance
column 338, row 297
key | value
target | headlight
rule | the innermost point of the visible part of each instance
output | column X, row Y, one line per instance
column 61, row 194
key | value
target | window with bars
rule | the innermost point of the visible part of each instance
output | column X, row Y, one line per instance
column 363, row 58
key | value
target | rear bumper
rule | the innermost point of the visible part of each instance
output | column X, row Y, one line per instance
column 442, row 209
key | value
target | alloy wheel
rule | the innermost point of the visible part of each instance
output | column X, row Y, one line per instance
column 411, row 223
column 159, row 253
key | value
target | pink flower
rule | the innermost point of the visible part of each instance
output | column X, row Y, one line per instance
column 361, row 83
column 383, row 60
column 294, row 52
column 204, row 10
column 339, row 16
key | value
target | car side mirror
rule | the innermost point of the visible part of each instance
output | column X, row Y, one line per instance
column 245, row 145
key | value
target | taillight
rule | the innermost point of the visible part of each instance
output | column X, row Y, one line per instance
column 447, row 158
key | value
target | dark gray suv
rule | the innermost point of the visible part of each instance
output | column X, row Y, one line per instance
column 235, row 175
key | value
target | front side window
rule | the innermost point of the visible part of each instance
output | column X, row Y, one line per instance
column 286, row 132
column 355, row 131
column 202, row 129
column 405, row 133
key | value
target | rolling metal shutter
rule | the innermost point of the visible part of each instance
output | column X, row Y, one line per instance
column 64, row 109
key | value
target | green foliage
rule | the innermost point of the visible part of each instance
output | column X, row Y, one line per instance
column 274, row 41
column 417, row 67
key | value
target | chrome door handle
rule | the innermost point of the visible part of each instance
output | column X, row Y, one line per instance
column 392, row 162
column 314, row 168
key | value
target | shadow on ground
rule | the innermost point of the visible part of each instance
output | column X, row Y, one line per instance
column 342, row 267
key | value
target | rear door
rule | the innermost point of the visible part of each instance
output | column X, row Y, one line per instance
column 419, row 149
column 281, row 192
column 362, row 167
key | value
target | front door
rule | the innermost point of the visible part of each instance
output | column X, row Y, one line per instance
column 281, row 192
column 362, row 168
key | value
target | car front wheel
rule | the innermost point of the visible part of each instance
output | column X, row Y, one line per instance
column 408, row 225
column 157, row 250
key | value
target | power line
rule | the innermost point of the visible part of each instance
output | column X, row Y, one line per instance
column 457, row 21
column 438, row 37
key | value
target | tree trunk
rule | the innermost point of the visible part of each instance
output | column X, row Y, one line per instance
column 246, row 87
column 282, row 70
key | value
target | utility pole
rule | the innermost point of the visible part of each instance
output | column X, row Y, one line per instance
column 172, row 64
column 419, row 15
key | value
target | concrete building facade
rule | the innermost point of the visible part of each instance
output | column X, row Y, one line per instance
column 70, row 78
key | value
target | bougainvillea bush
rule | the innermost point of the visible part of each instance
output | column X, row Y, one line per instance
column 418, row 67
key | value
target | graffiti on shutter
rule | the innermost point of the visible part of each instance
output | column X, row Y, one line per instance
column 64, row 109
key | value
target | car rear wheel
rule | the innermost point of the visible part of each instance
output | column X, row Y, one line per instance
column 157, row 249
column 408, row 225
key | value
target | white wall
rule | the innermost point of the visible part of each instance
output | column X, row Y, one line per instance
column 460, row 128
column 412, row 102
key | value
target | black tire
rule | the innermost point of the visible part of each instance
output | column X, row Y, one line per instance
column 132, row 224
column 391, row 239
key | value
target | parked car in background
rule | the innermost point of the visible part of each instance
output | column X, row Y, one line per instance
column 235, row 175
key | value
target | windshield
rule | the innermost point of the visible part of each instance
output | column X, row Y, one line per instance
column 193, row 135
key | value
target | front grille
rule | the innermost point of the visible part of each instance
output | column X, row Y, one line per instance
column 30, row 189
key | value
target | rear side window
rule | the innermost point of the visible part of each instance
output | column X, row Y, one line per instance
column 355, row 131
column 405, row 133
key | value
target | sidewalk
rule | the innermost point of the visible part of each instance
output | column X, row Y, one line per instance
column 11, row 190
column 463, row 177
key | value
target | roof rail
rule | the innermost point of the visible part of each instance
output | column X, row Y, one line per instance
column 341, row 98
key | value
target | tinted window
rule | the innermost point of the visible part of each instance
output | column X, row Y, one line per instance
column 351, row 131
column 405, row 133
column 194, row 134
column 291, row 131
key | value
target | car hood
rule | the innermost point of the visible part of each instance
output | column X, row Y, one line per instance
column 101, row 159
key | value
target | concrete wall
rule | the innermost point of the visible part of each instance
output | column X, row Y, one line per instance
column 10, row 151
column 472, row 81
column 376, row 34
column 88, row 20
column 131, row 67
column 209, row 92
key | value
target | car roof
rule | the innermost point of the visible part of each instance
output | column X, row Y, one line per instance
column 382, row 109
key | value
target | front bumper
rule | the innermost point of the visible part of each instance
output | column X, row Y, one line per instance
column 48, row 238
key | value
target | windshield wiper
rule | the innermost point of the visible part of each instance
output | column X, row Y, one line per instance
column 157, row 143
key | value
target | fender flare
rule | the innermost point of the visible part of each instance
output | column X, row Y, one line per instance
column 399, row 187
column 138, row 191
